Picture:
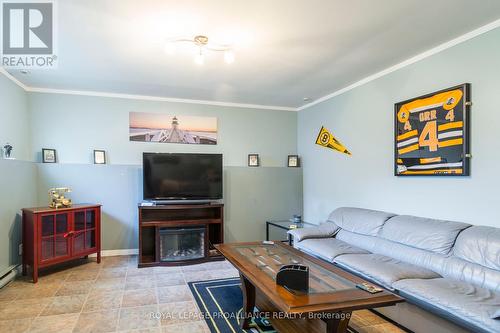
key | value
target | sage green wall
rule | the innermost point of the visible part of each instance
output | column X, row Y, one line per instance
column 14, row 119
column 17, row 177
column 17, row 190
column 252, row 195
column 255, row 195
column 75, row 125
column 363, row 120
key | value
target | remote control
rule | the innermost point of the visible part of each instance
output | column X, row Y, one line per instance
column 268, row 242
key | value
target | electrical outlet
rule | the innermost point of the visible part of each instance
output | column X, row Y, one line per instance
column 21, row 249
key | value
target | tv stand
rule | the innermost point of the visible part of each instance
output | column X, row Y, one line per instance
column 180, row 234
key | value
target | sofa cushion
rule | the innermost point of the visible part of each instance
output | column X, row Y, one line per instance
column 358, row 220
column 364, row 242
column 459, row 269
column 479, row 245
column 460, row 299
column 328, row 248
column 423, row 233
column 324, row 230
column 409, row 254
column 381, row 269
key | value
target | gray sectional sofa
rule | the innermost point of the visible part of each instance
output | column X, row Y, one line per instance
column 450, row 269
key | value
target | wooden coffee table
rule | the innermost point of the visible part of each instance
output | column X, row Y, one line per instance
column 326, row 308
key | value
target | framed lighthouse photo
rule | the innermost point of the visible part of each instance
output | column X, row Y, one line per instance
column 167, row 128
column 432, row 134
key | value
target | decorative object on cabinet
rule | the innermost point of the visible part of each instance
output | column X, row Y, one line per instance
column 54, row 236
column 172, row 235
column 293, row 161
column 57, row 198
column 99, row 157
column 253, row 160
column 432, row 134
column 49, row 155
column 7, row 151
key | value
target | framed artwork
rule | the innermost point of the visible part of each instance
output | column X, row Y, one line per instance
column 253, row 160
column 293, row 161
column 432, row 134
column 99, row 157
column 170, row 128
column 49, row 155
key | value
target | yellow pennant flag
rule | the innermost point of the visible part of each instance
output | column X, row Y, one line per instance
column 326, row 139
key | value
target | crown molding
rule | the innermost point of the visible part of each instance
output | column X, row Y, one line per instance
column 13, row 79
column 157, row 98
column 141, row 97
column 474, row 33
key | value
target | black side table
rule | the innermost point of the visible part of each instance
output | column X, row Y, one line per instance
column 285, row 225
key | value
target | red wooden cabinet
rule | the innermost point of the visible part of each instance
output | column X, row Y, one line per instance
column 52, row 236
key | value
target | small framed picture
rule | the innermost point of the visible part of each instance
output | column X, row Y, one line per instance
column 49, row 155
column 253, row 160
column 293, row 161
column 99, row 157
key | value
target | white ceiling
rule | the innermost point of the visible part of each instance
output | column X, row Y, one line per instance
column 285, row 49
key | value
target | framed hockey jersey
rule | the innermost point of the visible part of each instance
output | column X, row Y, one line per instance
column 432, row 134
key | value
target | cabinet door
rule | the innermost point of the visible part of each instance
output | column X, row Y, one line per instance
column 54, row 241
column 84, row 227
column 90, row 228
column 79, row 232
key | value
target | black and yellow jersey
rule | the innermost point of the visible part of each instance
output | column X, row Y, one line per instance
column 430, row 134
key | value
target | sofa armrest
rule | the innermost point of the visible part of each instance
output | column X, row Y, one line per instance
column 324, row 230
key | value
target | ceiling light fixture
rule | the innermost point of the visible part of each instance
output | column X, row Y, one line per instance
column 202, row 45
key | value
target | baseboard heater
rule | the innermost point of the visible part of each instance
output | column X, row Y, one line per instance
column 7, row 275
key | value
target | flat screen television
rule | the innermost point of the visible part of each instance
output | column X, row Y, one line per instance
column 179, row 176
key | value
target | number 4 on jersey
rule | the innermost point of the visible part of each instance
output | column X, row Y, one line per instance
column 450, row 116
column 429, row 136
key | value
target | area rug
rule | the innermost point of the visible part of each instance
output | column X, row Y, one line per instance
column 221, row 302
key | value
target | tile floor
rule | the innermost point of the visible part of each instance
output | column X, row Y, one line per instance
column 116, row 296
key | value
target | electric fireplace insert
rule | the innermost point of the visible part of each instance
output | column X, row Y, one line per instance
column 185, row 243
